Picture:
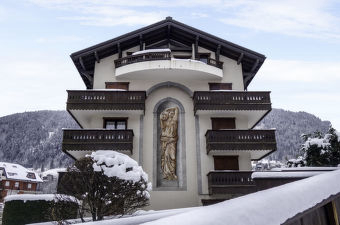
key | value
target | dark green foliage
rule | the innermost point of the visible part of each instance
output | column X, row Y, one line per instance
column 289, row 126
column 19, row 212
column 33, row 139
column 102, row 195
column 326, row 155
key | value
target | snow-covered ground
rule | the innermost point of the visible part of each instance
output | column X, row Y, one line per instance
column 271, row 207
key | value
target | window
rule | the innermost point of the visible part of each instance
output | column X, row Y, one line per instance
column 30, row 175
column 7, row 184
column 226, row 163
column 29, row 186
column 220, row 86
column 16, row 184
column 203, row 57
column 223, row 123
column 124, row 86
column 115, row 123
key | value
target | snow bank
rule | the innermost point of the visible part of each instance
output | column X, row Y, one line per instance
column 272, row 207
column 284, row 174
column 44, row 197
column 151, row 50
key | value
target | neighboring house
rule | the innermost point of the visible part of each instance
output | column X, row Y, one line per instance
column 50, row 178
column 16, row 179
column 175, row 99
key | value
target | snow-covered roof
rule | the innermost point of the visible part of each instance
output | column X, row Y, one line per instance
column 272, row 206
column 53, row 172
column 17, row 172
column 305, row 168
column 44, row 197
column 301, row 174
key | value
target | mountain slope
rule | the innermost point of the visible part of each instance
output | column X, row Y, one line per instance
column 33, row 139
column 289, row 127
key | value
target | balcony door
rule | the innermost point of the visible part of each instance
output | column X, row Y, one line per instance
column 223, row 123
column 226, row 163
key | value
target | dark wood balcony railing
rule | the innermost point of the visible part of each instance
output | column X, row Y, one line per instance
column 230, row 182
column 152, row 56
column 97, row 139
column 231, row 100
column 240, row 140
column 213, row 62
column 106, row 100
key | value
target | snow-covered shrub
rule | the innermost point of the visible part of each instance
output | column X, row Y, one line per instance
column 321, row 150
column 108, row 183
column 30, row 208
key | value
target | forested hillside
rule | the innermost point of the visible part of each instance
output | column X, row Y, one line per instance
column 33, row 139
column 289, row 127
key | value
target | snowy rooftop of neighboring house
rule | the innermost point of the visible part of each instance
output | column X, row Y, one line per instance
column 53, row 172
column 294, row 174
column 305, row 168
column 17, row 172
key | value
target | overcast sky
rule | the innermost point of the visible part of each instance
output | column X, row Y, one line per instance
column 301, row 40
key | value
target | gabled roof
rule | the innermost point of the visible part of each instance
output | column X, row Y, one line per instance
column 14, row 171
column 171, row 31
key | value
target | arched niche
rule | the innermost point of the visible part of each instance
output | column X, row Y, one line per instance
column 159, row 183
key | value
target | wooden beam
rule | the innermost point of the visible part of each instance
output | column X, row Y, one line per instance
column 217, row 53
column 168, row 36
column 239, row 60
column 254, row 66
column 82, row 63
column 87, row 75
column 141, row 42
column 248, row 77
column 196, row 47
column 96, row 56
column 119, row 51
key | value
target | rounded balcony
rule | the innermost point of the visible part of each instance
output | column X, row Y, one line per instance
column 160, row 65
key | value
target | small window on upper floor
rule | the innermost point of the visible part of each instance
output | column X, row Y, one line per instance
column 7, row 184
column 30, row 175
column 16, row 184
column 29, row 186
column 220, row 86
column 119, row 86
column 203, row 57
column 115, row 123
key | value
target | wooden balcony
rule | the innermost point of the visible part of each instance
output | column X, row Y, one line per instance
column 153, row 56
column 230, row 182
column 224, row 140
column 231, row 100
column 106, row 100
column 97, row 139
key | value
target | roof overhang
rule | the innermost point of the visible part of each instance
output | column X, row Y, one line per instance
column 170, row 30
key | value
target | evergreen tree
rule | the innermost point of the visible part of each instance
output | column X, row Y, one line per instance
column 322, row 150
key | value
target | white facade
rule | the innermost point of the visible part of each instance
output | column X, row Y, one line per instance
column 173, row 81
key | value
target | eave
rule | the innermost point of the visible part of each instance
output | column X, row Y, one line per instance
column 167, row 29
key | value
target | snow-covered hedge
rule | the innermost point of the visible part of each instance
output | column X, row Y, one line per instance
column 29, row 208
